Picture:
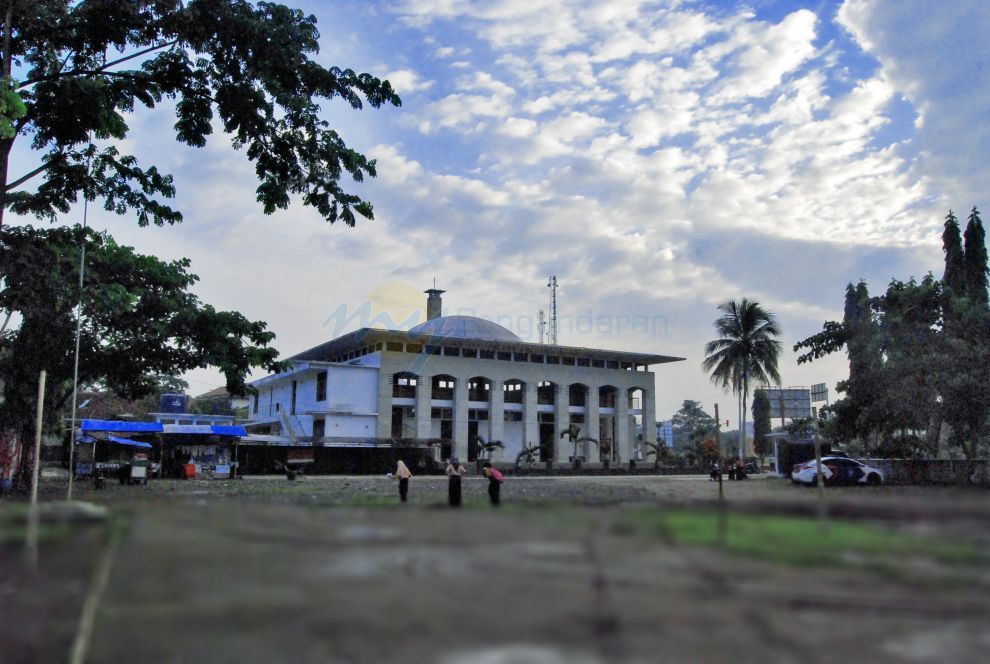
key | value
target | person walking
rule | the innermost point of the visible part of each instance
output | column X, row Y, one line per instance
column 403, row 475
column 454, row 472
column 494, row 483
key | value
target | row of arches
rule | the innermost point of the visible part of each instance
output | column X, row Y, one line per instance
column 406, row 384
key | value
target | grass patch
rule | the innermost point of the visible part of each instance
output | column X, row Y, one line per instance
column 797, row 540
column 13, row 526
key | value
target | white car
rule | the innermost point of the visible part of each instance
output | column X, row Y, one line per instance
column 837, row 470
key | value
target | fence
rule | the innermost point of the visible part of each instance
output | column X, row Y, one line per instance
column 932, row 471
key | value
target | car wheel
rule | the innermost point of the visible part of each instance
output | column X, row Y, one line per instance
column 873, row 479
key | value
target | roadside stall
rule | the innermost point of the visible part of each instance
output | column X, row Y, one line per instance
column 202, row 450
column 118, row 456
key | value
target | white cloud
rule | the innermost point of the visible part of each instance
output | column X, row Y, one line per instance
column 936, row 54
column 405, row 81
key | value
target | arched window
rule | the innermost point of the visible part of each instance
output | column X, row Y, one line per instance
column 479, row 389
column 404, row 385
column 512, row 391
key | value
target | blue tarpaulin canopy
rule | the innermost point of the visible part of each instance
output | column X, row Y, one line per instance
column 128, row 441
column 122, row 427
column 205, row 429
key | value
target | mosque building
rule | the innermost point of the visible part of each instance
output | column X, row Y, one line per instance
column 453, row 383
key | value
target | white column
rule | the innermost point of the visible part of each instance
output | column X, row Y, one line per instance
column 383, row 426
column 424, row 422
column 622, row 438
column 591, row 425
column 461, row 418
column 561, row 420
column 531, row 425
column 649, row 417
column 496, row 412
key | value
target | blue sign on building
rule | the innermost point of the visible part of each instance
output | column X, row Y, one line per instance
column 665, row 432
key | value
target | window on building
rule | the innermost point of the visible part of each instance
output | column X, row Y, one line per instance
column 502, row 355
column 404, row 386
column 553, row 359
column 536, row 358
column 393, row 346
column 454, row 352
column 321, row 386
column 583, row 362
column 469, row 352
column 568, row 361
column 255, row 410
column 486, row 354
column 598, row 363
column 512, row 416
column 319, row 428
column 512, row 391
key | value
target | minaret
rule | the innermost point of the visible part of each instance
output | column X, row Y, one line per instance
column 434, row 304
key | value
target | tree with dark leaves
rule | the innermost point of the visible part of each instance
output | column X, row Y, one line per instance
column 73, row 70
column 140, row 322
column 745, row 352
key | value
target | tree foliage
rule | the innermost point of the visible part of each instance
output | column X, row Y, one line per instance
column 85, row 65
column 761, row 423
column 917, row 355
column 139, row 323
column 745, row 352
column 975, row 260
column 688, row 420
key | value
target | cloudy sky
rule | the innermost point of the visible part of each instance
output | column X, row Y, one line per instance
column 658, row 157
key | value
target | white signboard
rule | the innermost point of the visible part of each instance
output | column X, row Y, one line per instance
column 796, row 401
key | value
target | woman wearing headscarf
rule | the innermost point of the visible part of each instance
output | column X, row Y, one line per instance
column 454, row 472
column 403, row 474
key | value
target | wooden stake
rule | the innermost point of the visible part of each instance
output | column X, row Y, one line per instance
column 31, row 543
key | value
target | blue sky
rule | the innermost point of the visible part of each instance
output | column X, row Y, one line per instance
column 659, row 157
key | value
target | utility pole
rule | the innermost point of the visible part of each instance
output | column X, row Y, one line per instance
column 818, row 471
column 721, row 495
column 552, row 285
column 32, row 524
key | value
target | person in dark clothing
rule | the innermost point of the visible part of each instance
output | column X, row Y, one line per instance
column 494, row 483
column 454, row 472
column 403, row 474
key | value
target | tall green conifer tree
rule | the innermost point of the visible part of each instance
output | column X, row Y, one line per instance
column 975, row 245
column 953, row 280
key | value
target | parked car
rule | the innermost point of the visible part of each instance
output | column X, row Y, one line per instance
column 837, row 470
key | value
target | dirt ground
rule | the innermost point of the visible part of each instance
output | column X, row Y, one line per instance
column 334, row 570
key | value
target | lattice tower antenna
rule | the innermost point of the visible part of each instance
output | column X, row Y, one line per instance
column 552, row 332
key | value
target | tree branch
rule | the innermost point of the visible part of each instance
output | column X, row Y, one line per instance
column 24, row 178
column 102, row 69
column 7, row 29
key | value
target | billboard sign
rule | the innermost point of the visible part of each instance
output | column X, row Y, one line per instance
column 819, row 392
column 796, row 401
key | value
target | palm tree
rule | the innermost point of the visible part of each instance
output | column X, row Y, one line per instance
column 485, row 449
column 744, row 352
column 573, row 433
column 528, row 453
column 658, row 450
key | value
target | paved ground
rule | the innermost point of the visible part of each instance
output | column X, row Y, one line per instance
column 332, row 570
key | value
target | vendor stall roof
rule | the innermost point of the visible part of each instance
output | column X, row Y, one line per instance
column 205, row 429
column 128, row 441
column 122, row 427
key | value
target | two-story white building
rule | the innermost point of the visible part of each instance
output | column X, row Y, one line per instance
column 453, row 380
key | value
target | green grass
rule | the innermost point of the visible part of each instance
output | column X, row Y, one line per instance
column 796, row 540
column 13, row 526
